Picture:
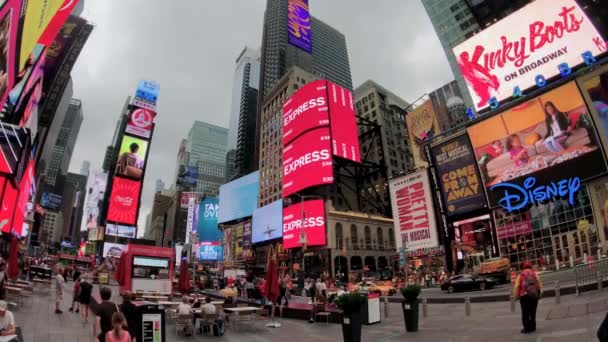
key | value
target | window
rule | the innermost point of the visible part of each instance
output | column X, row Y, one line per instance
column 391, row 237
column 339, row 239
column 354, row 237
column 455, row 7
column 380, row 236
column 368, row 238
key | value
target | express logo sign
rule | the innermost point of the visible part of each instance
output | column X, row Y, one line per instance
column 305, row 110
column 307, row 161
column 140, row 122
column 312, row 223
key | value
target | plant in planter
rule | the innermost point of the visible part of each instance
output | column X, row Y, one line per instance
column 410, row 295
column 351, row 305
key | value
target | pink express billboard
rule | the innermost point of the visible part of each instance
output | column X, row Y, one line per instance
column 307, row 161
column 307, row 217
column 306, row 109
column 344, row 133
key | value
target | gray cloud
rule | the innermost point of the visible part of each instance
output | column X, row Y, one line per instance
column 189, row 47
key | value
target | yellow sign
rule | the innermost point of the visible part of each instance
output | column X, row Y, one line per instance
column 38, row 15
column 422, row 124
column 582, row 225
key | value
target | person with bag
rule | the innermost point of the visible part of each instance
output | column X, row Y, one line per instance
column 527, row 289
column 104, row 312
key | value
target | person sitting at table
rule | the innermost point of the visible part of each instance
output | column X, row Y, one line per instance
column 184, row 308
column 208, row 308
column 7, row 321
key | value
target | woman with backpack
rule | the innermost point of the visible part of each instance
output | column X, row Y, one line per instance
column 527, row 289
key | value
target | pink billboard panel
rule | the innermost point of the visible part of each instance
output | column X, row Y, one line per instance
column 306, row 109
column 307, row 161
column 345, row 138
column 307, row 217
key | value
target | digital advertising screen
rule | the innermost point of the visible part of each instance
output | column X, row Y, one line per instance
column 267, row 222
column 530, row 140
column 131, row 157
column 147, row 91
column 9, row 31
column 207, row 220
column 95, row 192
column 595, row 89
column 307, row 161
column 239, row 198
column 306, row 109
column 124, row 201
column 344, row 132
column 51, row 201
column 13, row 142
column 140, row 122
column 121, row 230
column 422, row 124
column 113, row 250
column 298, row 25
column 305, row 218
column 532, row 41
column 187, row 176
column 9, row 199
column 210, row 251
column 24, row 91
column 25, row 192
column 461, row 186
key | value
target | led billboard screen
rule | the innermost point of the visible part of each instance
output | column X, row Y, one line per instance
column 95, row 191
column 147, row 91
column 132, row 157
column 9, row 199
column 209, row 251
column 13, row 141
column 307, row 161
column 595, row 89
column 50, row 201
column 207, row 220
column 306, row 109
column 25, row 192
column 187, row 176
column 532, row 41
column 9, row 23
column 553, row 129
column 344, row 132
column 124, row 201
column 298, row 24
column 121, row 230
column 267, row 222
column 239, row 198
column 140, row 122
column 308, row 218
column 112, row 250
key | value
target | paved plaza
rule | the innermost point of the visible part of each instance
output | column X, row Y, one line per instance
column 575, row 319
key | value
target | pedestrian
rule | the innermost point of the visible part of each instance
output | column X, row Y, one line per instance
column 130, row 312
column 86, row 288
column 527, row 289
column 75, row 295
column 104, row 312
column 59, row 287
column 118, row 332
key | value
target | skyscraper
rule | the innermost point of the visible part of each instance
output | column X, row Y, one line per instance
column 85, row 167
column 74, row 189
column 66, row 140
column 241, row 133
column 449, row 106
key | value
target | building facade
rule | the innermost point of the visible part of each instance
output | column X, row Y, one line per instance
column 65, row 143
column 52, row 227
column 449, row 106
column 74, row 188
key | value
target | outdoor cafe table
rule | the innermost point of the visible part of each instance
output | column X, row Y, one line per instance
column 239, row 310
column 168, row 303
column 154, row 297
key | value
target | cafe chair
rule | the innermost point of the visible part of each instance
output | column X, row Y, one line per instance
column 209, row 321
column 184, row 322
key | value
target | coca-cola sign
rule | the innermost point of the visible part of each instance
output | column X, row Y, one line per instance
column 124, row 201
column 541, row 40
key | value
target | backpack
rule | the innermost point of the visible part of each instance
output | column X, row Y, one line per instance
column 530, row 285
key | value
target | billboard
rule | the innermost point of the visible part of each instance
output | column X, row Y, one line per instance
column 95, row 191
column 121, row 230
column 306, row 109
column 50, row 201
column 25, row 83
column 187, row 176
column 413, row 212
column 124, row 201
column 298, row 25
column 267, row 222
column 247, row 235
column 239, row 198
column 307, row 161
column 192, row 204
column 553, row 129
column 535, row 40
column 344, row 132
column 422, row 125
column 209, row 251
column 25, row 192
column 113, row 250
column 207, row 220
column 140, row 122
column 9, row 200
column 307, row 217
column 595, row 90
column 460, row 181
column 9, row 24
column 13, row 143
column 132, row 157
column 147, row 91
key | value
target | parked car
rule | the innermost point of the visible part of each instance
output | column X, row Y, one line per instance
column 467, row 282
column 385, row 288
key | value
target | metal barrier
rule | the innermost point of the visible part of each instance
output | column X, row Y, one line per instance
column 591, row 275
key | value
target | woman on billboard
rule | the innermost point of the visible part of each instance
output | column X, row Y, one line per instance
column 558, row 128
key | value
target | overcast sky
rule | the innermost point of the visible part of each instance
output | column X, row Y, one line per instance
column 189, row 47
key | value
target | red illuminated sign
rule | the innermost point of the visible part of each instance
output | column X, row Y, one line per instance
column 9, row 199
column 307, row 161
column 305, row 110
column 140, row 122
column 24, row 195
column 313, row 224
column 345, row 139
column 124, row 201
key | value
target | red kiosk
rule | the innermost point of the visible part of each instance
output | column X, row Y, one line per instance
column 146, row 268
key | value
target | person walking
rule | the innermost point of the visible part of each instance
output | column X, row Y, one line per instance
column 86, row 288
column 59, row 287
column 104, row 312
column 527, row 289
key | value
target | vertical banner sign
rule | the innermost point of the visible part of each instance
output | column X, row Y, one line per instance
column 298, row 24
column 191, row 204
column 178, row 254
column 247, row 235
column 539, row 41
column 344, row 133
column 461, row 185
column 422, row 125
column 207, row 220
column 413, row 212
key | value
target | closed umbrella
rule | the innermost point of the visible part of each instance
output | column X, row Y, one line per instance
column 13, row 259
column 271, row 286
column 183, row 283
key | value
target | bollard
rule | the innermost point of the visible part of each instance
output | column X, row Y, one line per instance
column 467, row 305
column 424, row 307
column 557, row 293
column 599, row 254
column 571, row 261
column 385, row 307
column 600, row 284
column 585, row 259
column 557, row 265
column 512, row 302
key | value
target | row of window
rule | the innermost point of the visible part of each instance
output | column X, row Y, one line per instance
column 367, row 234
